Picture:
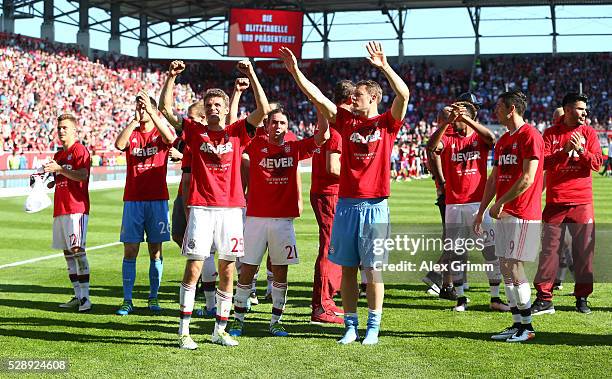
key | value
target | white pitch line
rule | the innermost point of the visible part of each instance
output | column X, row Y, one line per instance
column 54, row 256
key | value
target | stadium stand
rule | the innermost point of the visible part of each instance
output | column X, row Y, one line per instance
column 45, row 79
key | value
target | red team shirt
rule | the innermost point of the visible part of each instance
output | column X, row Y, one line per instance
column 366, row 154
column 147, row 165
column 569, row 178
column 185, row 167
column 324, row 183
column 273, row 176
column 464, row 163
column 510, row 151
column 71, row 196
column 215, row 164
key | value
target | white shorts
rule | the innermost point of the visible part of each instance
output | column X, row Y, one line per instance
column 459, row 221
column 217, row 227
column 70, row 231
column 517, row 239
column 277, row 234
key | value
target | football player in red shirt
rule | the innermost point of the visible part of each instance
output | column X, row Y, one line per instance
column 367, row 141
column 71, row 167
column 147, row 141
column 269, row 224
column 464, row 156
column 215, row 197
column 516, row 182
column 323, row 198
column 571, row 152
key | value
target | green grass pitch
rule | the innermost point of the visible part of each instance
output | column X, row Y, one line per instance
column 421, row 336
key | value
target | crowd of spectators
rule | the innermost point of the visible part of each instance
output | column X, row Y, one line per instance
column 42, row 80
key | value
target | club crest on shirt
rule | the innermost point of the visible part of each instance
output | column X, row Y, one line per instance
column 264, row 150
column 69, row 157
column 475, row 143
column 287, row 149
column 514, row 146
column 191, row 244
column 134, row 140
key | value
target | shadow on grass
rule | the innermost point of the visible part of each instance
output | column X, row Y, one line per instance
column 85, row 338
column 542, row 338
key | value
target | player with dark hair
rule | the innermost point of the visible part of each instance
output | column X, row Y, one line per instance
column 71, row 166
column 571, row 152
column 269, row 224
column 516, row 182
column 147, row 141
column 464, row 155
column 215, row 195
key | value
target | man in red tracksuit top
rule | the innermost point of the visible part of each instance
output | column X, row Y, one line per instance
column 571, row 152
column 323, row 198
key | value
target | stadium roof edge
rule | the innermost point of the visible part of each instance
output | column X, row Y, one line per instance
column 172, row 12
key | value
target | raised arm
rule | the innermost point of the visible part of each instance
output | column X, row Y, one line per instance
column 323, row 133
column 378, row 59
column 314, row 94
column 164, row 130
column 241, row 85
column 434, row 145
column 123, row 139
column 257, row 116
column 166, row 98
column 460, row 114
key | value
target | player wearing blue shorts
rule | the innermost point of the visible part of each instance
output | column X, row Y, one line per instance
column 362, row 214
column 147, row 142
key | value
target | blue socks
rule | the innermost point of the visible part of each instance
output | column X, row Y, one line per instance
column 373, row 327
column 156, row 269
column 129, row 277
column 350, row 331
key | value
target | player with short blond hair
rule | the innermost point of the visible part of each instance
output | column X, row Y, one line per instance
column 71, row 167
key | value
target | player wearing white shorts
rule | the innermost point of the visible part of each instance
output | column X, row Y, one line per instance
column 464, row 154
column 516, row 182
column 71, row 208
column 215, row 195
column 271, row 208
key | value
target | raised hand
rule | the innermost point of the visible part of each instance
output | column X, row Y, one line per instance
column 245, row 67
column 288, row 59
column 459, row 113
column 377, row 56
column 241, row 84
column 145, row 101
column 576, row 140
column 176, row 67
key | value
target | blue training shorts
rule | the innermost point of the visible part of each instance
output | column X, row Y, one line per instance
column 145, row 216
column 357, row 224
